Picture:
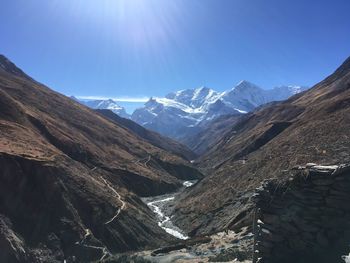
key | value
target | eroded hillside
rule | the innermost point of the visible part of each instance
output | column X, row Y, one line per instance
column 71, row 179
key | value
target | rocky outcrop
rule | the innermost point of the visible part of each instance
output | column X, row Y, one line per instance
column 305, row 218
column 12, row 247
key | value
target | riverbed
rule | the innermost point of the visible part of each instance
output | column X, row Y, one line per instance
column 162, row 206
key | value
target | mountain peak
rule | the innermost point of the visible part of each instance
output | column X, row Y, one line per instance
column 7, row 66
column 243, row 84
column 108, row 104
column 343, row 69
column 346, row 64
column 203, row 88
column 151, row 99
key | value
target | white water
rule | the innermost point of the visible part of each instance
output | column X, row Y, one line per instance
column 159, row 205
column 164, row 221
column 188, row 183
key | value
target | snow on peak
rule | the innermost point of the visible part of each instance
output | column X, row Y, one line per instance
column 296, row 89
column 244, row 82
column 193, row 98
column 186, row 110
column 108, row 104
column 244, row 85
column 183, row 111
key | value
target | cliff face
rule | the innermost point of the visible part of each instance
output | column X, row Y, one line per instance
column 70, row 179
column 312, row 126
column 305, row 218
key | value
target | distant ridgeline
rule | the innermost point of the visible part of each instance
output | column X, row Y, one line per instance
column 305, row 218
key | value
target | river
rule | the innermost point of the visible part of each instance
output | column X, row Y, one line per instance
column 161, row 205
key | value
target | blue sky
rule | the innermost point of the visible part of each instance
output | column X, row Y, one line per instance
column 134, row 49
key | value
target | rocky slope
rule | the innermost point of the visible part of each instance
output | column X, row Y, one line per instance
column 70, row 179
column 312, row 126
column 183, row 113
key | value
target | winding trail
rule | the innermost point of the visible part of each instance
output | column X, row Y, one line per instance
column 148, row 159
column 119, row 199
column 116, row 195
column 143, row 161
column 88, row 234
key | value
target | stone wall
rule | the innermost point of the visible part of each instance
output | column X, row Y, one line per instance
column 305, row 218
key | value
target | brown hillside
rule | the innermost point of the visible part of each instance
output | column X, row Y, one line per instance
column 70, row 179
column 210, row 134
column 152, row 137
column 310, row 127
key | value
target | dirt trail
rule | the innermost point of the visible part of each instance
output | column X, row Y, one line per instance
column 117, row 195
column 119, row 199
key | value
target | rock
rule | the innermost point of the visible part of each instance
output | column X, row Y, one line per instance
column 323, row 181
column 308, row 236
column 267, row 244
column 297, row 244
column 340, row 186
column 339, row 203
column 306, row 216
column 342, row 194
column 12, row 246
column 307, row 226
column 325, row 167
column 275, row 237
column 309, row 165
column 271, row 219
column 322, row 240
column 289, row 228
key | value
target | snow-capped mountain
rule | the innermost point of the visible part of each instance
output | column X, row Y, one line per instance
column 109, row 104
column 194, row 98
column 183, row 112
column 247, row 96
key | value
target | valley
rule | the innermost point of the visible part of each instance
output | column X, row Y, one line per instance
column 76, row 170
column 96, row 187
column 174, row 131
column 110, row 190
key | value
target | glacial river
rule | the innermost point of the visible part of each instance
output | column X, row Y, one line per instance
column 161, row 206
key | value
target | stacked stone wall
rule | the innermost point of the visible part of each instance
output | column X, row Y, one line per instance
column 305, row 218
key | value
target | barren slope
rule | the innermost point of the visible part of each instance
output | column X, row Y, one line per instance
column 310, row 127
column 70, row 178
column 210, row 133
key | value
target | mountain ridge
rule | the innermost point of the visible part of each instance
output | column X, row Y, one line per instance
column 150, row 136
column 309, row 127
column 181, row 114
column 72, row 180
